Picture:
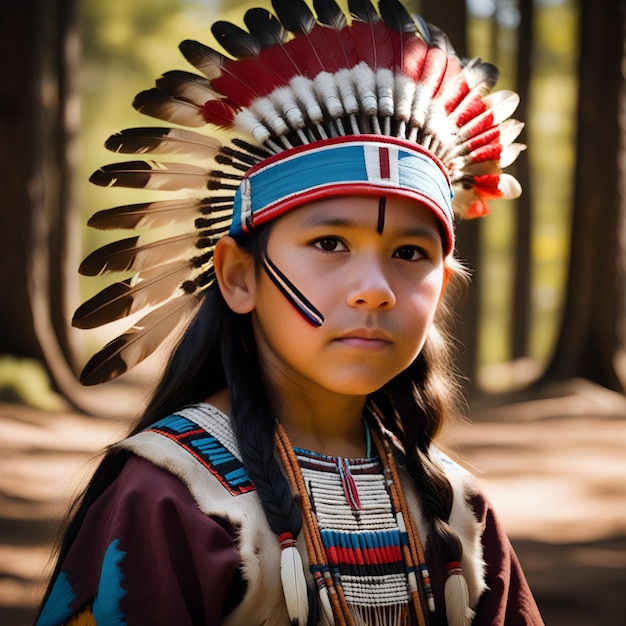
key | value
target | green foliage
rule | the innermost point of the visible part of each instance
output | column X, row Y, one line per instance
column 24, row 381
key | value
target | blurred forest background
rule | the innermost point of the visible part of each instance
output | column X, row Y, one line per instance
column 543, row 320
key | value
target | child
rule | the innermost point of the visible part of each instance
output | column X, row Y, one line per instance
column 285, row 470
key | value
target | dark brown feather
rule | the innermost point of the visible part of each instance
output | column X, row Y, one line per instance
column 138, row 343
column 163, row 141
column 148, row 214
column 157, row 104
column 125, row 255
column 130, row 296
column 151, row 175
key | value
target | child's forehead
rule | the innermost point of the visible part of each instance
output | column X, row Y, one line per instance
column 360, row 211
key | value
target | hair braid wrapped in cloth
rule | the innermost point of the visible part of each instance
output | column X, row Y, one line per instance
column 317, row 103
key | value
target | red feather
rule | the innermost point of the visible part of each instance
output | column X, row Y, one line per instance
column 489, row 136
column 477, row 126
column 219, row 113
column 490, row 152
column 414, row 54
column 373, row 43
column 478, row 208
column 310, row 51
column 486, row 186
column 341, row 47
column 244, row 80
column 469, row 110
column 433, row 70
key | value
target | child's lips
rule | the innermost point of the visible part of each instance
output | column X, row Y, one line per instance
column 370, row 338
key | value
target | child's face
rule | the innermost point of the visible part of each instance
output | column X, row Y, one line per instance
column 378, row 293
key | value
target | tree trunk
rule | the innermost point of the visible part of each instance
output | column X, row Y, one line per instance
column 21, row 168
column 39, row 235
column 520, row 324
column 589, row 340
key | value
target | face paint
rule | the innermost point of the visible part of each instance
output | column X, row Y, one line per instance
column 293, row 294
column 382, row 204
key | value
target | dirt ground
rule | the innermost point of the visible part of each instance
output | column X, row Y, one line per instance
column 555, row 468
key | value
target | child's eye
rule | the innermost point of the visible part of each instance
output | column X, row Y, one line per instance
column 329, row 244
column 409, row 253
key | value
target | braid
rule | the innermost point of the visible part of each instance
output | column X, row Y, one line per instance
column 255, row 427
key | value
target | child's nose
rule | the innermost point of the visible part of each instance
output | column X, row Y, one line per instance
column 370, row 286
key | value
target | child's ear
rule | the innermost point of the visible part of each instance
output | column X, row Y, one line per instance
column 235, row 272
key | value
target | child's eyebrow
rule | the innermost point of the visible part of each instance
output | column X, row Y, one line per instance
column 328, row 220
column 420, row 232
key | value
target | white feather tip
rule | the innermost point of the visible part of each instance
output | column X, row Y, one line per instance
column 458, row 610
column 294, row 584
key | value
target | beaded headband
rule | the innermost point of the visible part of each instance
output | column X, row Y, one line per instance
column 381, row 100
column 367, row 164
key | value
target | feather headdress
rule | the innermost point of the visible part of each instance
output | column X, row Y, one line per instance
column 381, row 96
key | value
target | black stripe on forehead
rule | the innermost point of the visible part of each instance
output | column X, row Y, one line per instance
column 382, row 206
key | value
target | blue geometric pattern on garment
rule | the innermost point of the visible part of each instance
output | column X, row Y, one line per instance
column 206, row 449
column 57, row 609
column 106, row 606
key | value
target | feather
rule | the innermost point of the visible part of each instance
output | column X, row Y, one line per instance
column 330, row 15
column 219, row 113
column 294, row 15
column 463, row 97
column 310, row 47
column 471, row 197
column 458, row 611
column 157, row 104
column 148, row 214
column 499, row 107
column 432, row 74
column 240, row 81
column 272, row 36
column 363, row 11
column 365, row 83
column 151, row 175
column 372, row 40
column 509, row 187
column 130, row 296
column 284, row 98
column 139, row 342
column 409, row 50
column 510, row 130
column 294, row 584
column 187, row 86
column 163, row 141
column 328, row 89
column 235, row 40
column 207, row 60
column 347, row 92
column 125, row 255
column 396, row 16
column 265, row 27
column 250, row 123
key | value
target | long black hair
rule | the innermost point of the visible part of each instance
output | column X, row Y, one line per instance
column 218, row 351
